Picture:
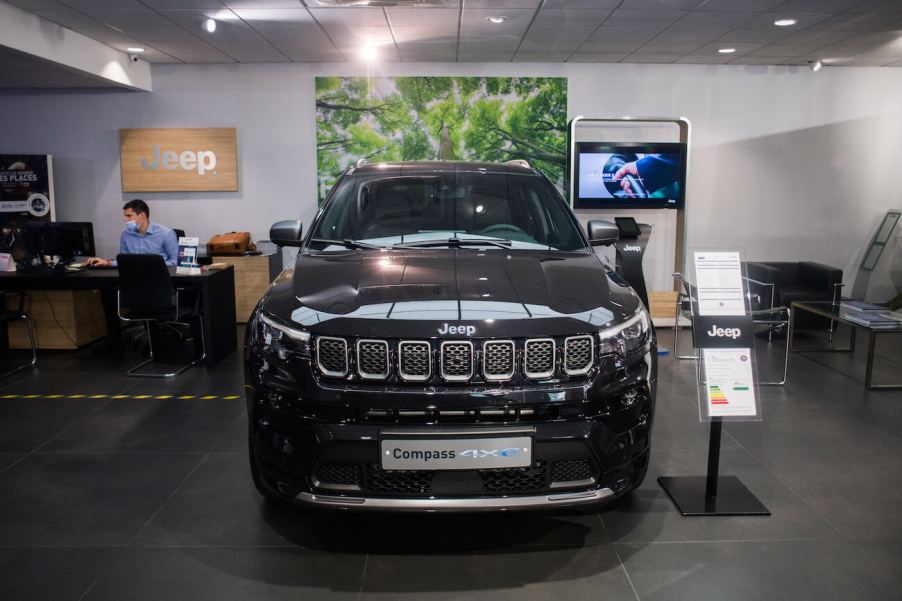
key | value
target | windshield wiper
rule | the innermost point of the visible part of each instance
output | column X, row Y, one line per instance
column 347, row 243
column 456, row 243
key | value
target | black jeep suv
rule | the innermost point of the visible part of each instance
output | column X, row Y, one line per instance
column 448, row 340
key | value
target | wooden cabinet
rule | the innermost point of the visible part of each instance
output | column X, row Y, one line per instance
column 253, row 275
column 63, row 319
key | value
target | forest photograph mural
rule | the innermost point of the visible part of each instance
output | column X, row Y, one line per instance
column 440, row 118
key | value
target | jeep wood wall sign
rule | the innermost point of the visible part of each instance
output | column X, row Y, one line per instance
column 201, row 159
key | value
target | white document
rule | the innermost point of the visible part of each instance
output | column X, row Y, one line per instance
column 729, row 384
column 718, row 277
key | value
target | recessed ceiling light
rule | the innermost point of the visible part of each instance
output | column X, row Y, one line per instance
column 135, row 49
column 210, row 25
column 369, row 52
column 785, row 22
column 815, row 65
column 496, row 20
column 727, row 50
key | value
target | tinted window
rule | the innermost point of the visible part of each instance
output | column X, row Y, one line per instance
column 524, row 209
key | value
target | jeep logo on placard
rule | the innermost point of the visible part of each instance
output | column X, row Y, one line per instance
column 448, row 329
column 632, row 248
column 203, row 161
column 716, row 332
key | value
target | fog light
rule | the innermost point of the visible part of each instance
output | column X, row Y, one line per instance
column 630, row 397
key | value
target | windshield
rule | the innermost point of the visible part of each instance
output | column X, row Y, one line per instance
column 506, row 210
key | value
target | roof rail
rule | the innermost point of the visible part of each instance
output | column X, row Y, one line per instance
column 519, row 163
column 362, row 162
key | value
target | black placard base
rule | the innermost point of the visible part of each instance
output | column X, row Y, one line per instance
column 689, row 494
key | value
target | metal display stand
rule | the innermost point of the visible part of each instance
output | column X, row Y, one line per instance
column 683, row 127
column 713, row 494
column 630, row 252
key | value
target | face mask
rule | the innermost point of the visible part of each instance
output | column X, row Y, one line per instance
column 131, row 226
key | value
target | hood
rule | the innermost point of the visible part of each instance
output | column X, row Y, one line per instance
column 416, row 292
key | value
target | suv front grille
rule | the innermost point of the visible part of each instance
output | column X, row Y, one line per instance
column 495, row 481
column 539, row 358
column 332, row 356
column 415, row 361
column 498, row 360
column 456, row 361
column 578, row 355
column 372, row 359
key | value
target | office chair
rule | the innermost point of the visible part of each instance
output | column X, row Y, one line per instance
column 146, row 294
column 9, row 315
column 178, row 233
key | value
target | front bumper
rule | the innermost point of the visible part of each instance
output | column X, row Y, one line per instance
column 315, row 443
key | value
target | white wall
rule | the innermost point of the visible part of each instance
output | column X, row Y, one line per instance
column 786, row 163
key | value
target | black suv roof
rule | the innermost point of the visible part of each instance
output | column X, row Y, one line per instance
column 441, row 167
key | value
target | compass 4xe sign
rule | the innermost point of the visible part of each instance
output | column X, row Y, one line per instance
column 202, row 159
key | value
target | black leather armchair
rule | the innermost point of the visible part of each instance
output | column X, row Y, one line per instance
column 780, row 283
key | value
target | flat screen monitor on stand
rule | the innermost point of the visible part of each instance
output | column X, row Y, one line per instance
column 630, row 249
column 55, row 244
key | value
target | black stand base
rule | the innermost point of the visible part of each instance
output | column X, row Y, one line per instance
column 689, row 494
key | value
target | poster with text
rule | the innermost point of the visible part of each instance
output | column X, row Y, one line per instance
column 440, row 118
column 26, row 194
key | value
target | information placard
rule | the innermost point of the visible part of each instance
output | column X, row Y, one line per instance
column 729, row 382
column 719, row 280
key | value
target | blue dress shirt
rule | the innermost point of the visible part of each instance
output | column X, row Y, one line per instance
column 157, row 240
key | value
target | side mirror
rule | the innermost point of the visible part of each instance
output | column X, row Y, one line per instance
column 603, row 233
column 286, row 233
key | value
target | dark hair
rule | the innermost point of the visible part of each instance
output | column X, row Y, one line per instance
column 138, row 206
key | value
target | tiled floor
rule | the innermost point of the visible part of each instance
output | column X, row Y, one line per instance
column 150, row 498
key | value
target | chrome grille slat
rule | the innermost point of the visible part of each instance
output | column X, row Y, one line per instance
column 498, row 360
column 538, row 358
column 579, row 354
column 332, row 356
column 414, row 360
column 372, row 359
column 457, row 360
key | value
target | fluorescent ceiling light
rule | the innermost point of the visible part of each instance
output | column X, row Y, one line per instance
column 496, row 20
column 209, row 25
column 785, row 22
column 369, row 52
column 727, row 50
column 135, row 49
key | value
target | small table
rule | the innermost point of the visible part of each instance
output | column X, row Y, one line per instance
column 831, row 311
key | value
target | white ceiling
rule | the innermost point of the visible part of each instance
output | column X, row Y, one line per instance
column 842, row 32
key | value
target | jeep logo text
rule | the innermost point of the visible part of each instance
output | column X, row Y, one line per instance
column 203, row 160
column 448, row 329
column 724, row 332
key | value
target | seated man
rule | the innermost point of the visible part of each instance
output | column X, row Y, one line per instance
column 143, row 237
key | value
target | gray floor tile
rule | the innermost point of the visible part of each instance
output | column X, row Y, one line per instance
column 170, row 425
column 856, row 490
column 648, row 514
column 536, row 573
column 42, row 573
column 219, row 506
column 177, row 574
column 770, row 570
column 86, row 499
column 26, row 424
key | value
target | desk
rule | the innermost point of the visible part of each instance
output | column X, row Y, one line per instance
column 832, row 311
column 216, row 289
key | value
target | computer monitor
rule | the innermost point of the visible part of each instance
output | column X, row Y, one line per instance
column 65, row 239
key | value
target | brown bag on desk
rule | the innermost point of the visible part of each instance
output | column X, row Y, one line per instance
column 233, row 243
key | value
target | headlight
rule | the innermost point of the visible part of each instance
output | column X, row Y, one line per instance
column 281, row 339
column 628, row 337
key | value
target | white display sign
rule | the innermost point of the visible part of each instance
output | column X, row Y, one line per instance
column 187, row 260
column 718, row 277
column 729, row 382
